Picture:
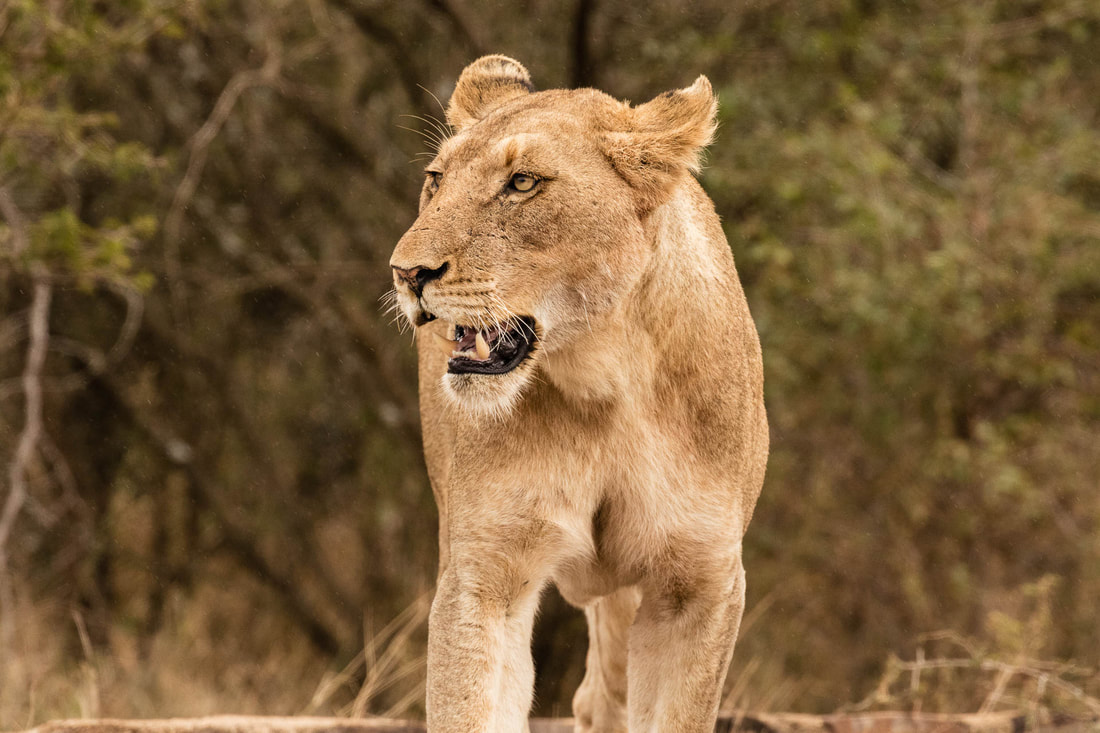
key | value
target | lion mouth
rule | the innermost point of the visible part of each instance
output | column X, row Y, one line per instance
column 497, row 349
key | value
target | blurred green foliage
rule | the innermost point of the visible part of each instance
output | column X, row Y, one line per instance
column 49, row 144
column 229, row 494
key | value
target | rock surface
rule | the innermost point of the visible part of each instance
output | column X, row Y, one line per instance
column 886, row 722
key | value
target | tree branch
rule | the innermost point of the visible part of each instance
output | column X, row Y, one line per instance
column 391, row 45
column 234, row 539
column 200, row 147
column 583, row 69
column 28, row 438
column 458, row 18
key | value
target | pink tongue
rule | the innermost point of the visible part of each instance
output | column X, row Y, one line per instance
column 467, row 341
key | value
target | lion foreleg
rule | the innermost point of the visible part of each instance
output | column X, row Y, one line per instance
column 680, row 650
column 480, row 672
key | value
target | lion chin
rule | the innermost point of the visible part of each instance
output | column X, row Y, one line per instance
column 492, row 396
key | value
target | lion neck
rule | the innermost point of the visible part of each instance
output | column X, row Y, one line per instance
column 674, row 316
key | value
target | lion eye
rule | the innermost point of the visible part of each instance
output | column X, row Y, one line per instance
column 433, row 179
column 522, row 182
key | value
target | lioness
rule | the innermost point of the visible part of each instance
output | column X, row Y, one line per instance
column 591, row 400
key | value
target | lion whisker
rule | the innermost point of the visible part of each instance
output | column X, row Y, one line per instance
column 433, row 131
column 436, row 132
column 442, row 129
column 584, row 304
column 434, row 142
column 438, row 103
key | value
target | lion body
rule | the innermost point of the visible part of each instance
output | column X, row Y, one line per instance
column 621, row 460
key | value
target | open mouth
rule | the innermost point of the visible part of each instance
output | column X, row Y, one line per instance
column 494, row 350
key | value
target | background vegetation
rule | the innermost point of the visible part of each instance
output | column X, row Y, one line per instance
column 213, row 497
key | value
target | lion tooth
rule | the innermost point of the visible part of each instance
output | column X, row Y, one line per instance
column 482, row 346
column 445, row 344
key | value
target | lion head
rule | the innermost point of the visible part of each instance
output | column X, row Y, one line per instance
column 532, row 223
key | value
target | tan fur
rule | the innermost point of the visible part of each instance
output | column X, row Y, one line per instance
column 622, row 459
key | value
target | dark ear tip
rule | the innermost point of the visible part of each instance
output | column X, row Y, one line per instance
column 499, row 68
column 484, row 84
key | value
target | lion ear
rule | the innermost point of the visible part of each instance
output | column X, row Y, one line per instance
column 485, row 85
column 657, row 142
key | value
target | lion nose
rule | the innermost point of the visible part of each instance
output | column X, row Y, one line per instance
column 417, row 277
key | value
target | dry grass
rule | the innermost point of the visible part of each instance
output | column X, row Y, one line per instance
column 963, row 677
column 389, row 662
column 756, row 683
column 1009, row 669
column 198, row 664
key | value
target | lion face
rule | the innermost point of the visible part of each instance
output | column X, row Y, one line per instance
column 531, row 228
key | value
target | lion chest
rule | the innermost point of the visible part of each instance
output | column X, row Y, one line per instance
column 616, row 500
